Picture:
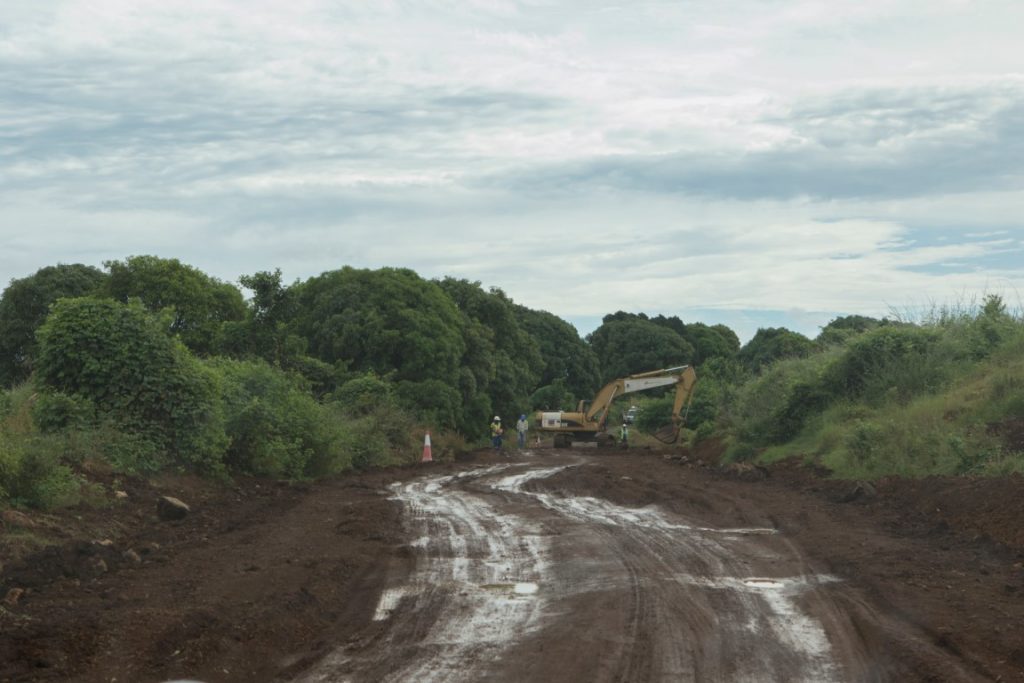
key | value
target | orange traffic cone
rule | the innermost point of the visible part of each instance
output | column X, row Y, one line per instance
column 426, row 449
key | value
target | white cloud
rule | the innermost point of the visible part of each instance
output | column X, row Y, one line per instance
column 796, row 155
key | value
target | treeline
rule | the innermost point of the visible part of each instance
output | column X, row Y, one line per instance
column 150, row 363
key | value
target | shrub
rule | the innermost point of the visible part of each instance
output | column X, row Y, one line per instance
column 382, row 436
column 33, row 475
column 275, row 427
column 120, row 358
column 885, row 358
column 364, row 394
column 56, row 411
column 773, row 407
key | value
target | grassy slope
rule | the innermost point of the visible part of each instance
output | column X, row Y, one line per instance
column 972, row 425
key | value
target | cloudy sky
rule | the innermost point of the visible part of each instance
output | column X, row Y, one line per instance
column 753, row 162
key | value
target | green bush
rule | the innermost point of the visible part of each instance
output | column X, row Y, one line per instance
column 276, row 428
column 32, row 473
column 654, row 413
column 885, row 362
column 384, row 436
column 56, row 411
column 120, row 358
column 773, row 407
column 364, row 394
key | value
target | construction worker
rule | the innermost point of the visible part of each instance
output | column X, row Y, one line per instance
column 624, row 435
column 496, row 432
column 522, row 427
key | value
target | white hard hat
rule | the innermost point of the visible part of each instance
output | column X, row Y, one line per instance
column 497, row 418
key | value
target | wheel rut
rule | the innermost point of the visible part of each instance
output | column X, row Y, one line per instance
column 502, row 570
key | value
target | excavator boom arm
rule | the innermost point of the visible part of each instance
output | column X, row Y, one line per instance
column 598, row 410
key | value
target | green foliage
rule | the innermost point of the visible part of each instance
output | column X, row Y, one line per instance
column 771, row 344
column 264, row 331
column 628, row 346
column 655, row 413
column 391, row 322
column 364, row 394
column 276, row 428
column 910, row 400
column 710, row 342
column 382, row 320
column 554, row 396
column 198, row 303
column 32, row 473
column 772, row 407
column 888, row 363
column 569, row 362
column 56, row 411
column 384, row 436
column 24, row 305
column 432, row 401
column 119, row 358
column 844, row 328
column 502, row 357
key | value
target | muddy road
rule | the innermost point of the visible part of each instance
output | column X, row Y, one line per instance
column 558, row 566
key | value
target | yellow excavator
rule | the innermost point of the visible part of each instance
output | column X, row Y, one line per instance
column 589, row 420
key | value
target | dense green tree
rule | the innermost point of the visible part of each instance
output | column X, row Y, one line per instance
column 709, row 342
column 625, row 347
column 770, row 344
column 265, row 334
column 497, row 342
column 264, row 331
column 120, row 359
column 276, row 428
column 388, row 321
column 842, row 329
column 570, row 366
column 672, row 322
column 199, row 304
column 24, row 306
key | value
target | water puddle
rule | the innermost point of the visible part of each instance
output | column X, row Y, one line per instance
column 523, row 588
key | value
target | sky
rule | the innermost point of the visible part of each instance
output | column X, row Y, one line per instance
column 749, row 162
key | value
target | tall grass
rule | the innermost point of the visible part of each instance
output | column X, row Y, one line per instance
column 939, row 395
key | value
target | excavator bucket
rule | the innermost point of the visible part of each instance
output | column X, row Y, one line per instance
column 667, row 434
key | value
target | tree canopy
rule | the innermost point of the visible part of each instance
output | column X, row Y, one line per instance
column 200, row 304
column 24, row 305
column 627, row 346
column 770, row 344
column 448, row 351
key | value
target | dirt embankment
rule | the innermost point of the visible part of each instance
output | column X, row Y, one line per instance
column 262, row 580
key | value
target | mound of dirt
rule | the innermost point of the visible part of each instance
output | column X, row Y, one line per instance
column 987, row 508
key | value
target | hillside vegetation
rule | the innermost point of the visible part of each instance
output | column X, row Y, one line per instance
column 943, row 396
column 151, row 365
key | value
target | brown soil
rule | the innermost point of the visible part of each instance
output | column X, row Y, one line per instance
column 262, row 580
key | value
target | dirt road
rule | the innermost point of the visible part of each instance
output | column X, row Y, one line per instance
column 551, row 566
column 507, row 569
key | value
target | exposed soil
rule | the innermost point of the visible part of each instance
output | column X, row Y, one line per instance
column 266, row 581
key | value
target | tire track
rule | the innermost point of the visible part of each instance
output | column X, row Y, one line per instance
column 698, row 603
